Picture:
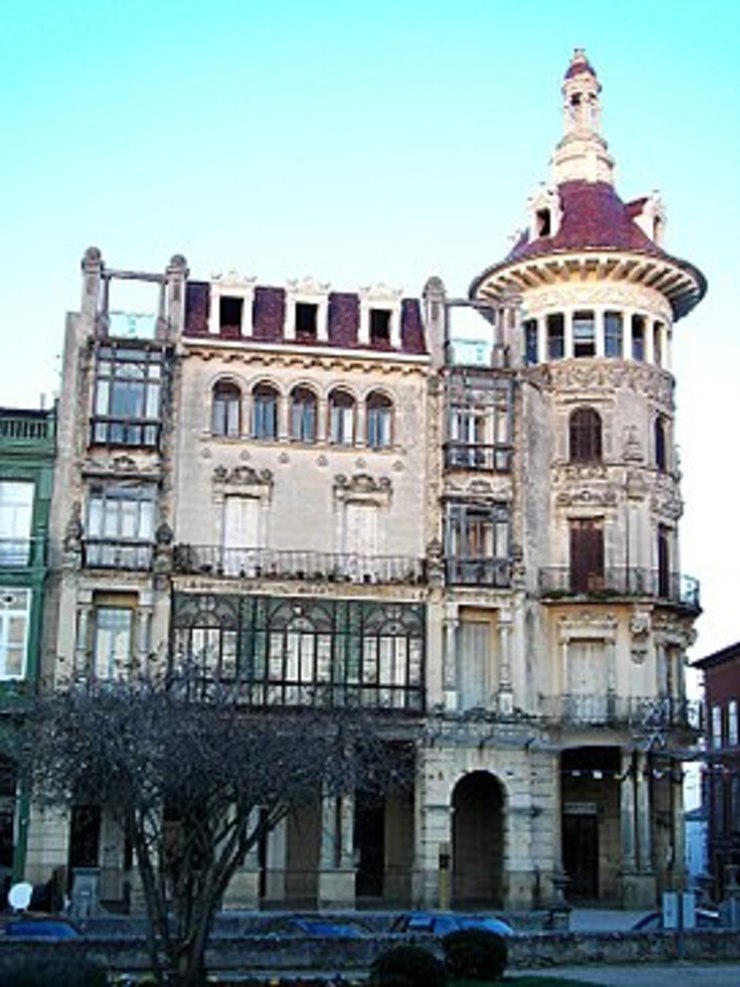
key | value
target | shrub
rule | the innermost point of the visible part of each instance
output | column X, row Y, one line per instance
column 407, row 966
column 477, row 954
column 50, row 971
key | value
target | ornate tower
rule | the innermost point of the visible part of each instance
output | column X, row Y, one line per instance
column 601, row 628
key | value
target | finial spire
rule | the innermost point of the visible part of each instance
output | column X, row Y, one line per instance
column 582, row 151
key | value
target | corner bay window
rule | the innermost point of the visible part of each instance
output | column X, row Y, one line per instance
column 127, row 405
column 479, row 421
column 120, row 526
column 278, row 651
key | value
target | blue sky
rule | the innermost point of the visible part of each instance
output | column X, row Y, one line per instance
column 361, row 142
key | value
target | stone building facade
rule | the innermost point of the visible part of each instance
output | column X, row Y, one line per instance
column 311, row 494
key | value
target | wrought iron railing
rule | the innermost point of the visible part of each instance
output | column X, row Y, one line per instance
column 651, row 713
column 106, row 553
column 478, row 572
column 557, row 581
column 269, row 563
column 475, row 456
column 22, row 553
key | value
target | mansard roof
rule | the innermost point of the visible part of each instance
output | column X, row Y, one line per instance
column 269, row 313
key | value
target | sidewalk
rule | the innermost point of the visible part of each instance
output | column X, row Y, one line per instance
column 678, row 974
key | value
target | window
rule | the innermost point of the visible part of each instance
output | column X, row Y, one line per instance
column 716, row 726
column 290, row 651
column 555, row 337
column 473, row 655
column 531, row 353
column 479, row 421
column 658, row 344
column 380, row 325
column 303, row 415
column 120, row 526
column 732, row 723
column 664, row 562
column 584, row 334
column 264, row 412
column 544, row 223
column 16, row 510
column 226, row 410
column 379, row 421
column 241, row 535
column 128, row 384
column 113, row 636
column 586, row 556
column 638, row 337
column 585, row 436
column 341, row 418
column 586, row 699
column 613, row 334
column 230, row 311
column 306, row 320
column 661, row 461
column 15, row 605
column 477, row 544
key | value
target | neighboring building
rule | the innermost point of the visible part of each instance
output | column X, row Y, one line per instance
column 721, row 788
column 309, row 493
column 27, row 445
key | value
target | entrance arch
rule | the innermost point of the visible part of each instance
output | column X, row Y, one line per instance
column 478, row 841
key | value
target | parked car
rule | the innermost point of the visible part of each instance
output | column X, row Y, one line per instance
column 40, row 928
column 311, row 926
column 653, row 921
column 440, row 923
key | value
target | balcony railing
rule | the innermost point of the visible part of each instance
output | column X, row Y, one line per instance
column 478, row 572
column 22, row 553
column 464, row 455
column 269, row 563
column 653, row 714
column 105, row 553
column 32, row 429
column 560, row 581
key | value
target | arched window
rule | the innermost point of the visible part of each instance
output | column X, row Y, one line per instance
column 661, row 445
column 264, row 412
column 341, row 418
column 585, row 436
column 303, row 407
column 226, row 409
column 379, row 421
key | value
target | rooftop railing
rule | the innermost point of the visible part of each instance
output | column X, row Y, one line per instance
column 28, row 429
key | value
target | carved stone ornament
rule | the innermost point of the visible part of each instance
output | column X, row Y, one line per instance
column 588, row 625
column 74, row 529
column 243, row 476
column 632, row 451
column 635, row 485
column 640, row 624
column 362, row 486
column 587, row 497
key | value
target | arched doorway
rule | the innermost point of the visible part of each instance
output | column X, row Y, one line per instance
column 477, row 842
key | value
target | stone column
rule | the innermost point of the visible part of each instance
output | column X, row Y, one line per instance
column 276, row 861
column 85, row 631
column 568, row 329
column 449, row 672
column 599, row 332
column 505, row 691
column 627, row 333
column 644, row 815
column 628, row 827
column 541, row 339
column 336, row 863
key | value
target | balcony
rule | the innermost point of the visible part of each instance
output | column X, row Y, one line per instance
column 558, row 582
column 467, row 456
column 105, row 553
column 478, row 572
column 268, row 563
column 22, row 553
column 653, row 714
column 28, row 430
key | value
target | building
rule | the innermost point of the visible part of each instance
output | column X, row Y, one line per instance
column 721, row 766
column 27, row 446
column 316, row 496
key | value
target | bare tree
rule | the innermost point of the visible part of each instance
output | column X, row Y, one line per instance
column 195, row 783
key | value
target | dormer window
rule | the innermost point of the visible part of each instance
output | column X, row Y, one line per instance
column 230, row 312
column 380, row 325
column 544, row 222
column 306, row 319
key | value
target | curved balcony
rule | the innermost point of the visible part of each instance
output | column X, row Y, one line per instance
column 561, row 582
